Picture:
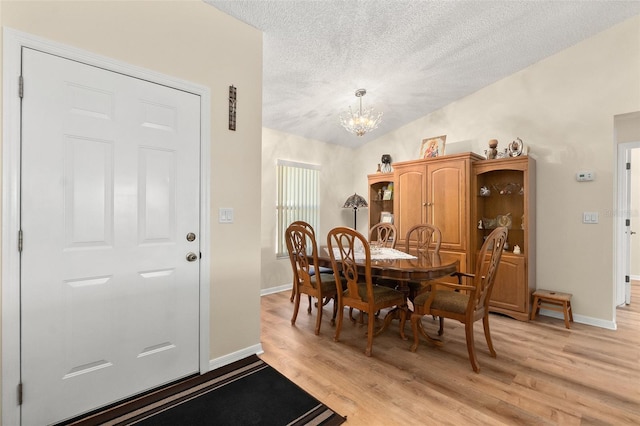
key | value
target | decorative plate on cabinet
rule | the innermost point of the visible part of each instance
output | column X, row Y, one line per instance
column 504, row 220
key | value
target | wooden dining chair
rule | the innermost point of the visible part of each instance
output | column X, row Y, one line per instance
column 323, row 270
column 303, row 253
column 421, row 240
column 360, row 292
column 470, row 303
column 383, row 235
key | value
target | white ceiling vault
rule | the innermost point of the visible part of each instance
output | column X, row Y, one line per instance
column 412, row 57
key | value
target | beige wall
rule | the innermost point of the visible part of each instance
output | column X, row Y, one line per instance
column 191, row 41
column 336, row 185
column 563, row 109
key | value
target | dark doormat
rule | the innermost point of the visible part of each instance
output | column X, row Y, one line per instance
column 247, row 392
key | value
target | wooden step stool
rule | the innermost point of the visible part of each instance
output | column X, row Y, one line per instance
column 562, row 302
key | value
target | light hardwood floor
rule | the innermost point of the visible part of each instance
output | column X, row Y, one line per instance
column 543, row 374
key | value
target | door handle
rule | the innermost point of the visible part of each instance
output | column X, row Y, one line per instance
column 192, row 257
column 633, row 232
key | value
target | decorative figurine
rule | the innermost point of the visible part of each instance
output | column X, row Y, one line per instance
column 484, row 191
column 480, row 224
column 386, row 163
column 516, row 249
column 492, row 152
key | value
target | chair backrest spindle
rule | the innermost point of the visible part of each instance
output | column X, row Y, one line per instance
column 424, row 238
column 383, row 235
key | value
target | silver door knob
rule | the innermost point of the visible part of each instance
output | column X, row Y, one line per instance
column 192, row 257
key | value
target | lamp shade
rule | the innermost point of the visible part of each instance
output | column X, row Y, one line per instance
column 355, row 201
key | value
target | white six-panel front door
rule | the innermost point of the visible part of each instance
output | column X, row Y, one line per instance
column 110, row 191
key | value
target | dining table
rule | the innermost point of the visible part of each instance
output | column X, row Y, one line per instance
column 401, row 268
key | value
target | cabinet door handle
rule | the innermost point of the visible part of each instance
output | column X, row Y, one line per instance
column 429, row 204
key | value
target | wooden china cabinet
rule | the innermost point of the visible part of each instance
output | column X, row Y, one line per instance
column 436, row 191
column 378, row 184
column 467, row 197
column 504, row 195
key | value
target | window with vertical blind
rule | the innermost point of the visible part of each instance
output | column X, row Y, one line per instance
column 298, row 198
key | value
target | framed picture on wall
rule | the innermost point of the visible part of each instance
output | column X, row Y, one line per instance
column 432, row 147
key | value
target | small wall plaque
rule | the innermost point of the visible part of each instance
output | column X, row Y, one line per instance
column 232, row 107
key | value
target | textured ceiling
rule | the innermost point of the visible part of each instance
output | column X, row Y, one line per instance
column 413, row 57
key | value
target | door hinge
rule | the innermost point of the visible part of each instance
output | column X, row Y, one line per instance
column 20, row 393
column 627, row 222
column 20, row 87
column 20, row 241
column 626, row 278
column 628, row 166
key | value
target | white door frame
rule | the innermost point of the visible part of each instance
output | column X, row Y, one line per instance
column 622, row 207
column 13, row 41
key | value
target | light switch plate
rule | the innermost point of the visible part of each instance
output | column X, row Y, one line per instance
column 225, row 215
column 590, row 217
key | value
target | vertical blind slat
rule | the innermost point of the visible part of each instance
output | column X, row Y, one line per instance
column 297, row 199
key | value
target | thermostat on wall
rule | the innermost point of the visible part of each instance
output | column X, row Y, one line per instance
column 584, row 176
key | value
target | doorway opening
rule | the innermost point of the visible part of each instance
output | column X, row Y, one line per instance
column 627, row 221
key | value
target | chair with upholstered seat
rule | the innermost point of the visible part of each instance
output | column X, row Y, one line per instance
column 360, row 293
column 321, row 269
column 383, row 235
column 470, row 302
column 303, row 253
column 422, row 239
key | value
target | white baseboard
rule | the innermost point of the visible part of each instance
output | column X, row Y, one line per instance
column 235, row 356
column 635, row 277
column 596, row 322
column 271, row 290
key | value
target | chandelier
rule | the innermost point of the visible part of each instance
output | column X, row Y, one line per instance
column 362, row 121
